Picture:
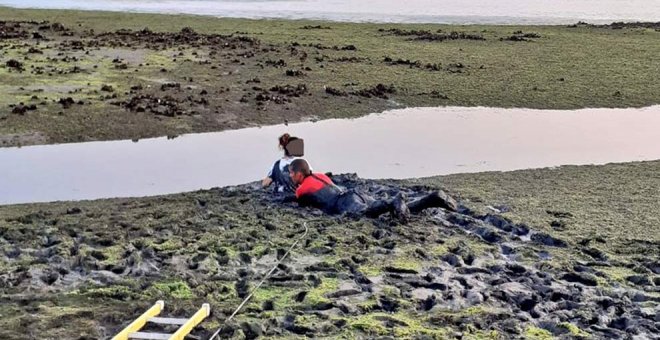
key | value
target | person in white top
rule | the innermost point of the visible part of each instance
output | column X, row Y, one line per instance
column 279, row 172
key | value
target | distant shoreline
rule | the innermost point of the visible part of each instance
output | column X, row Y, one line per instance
column 348, row 17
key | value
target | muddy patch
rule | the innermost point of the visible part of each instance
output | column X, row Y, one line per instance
column 163, row 40
column 443, row 273
column 22, row 139
column 620, row 25
column 425, row 35
column 132, row 56
column 522, row 36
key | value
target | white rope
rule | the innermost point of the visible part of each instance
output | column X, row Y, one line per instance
column 260, row 283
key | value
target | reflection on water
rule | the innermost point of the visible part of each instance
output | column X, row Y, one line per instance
column 437, row 11
column 404, row 143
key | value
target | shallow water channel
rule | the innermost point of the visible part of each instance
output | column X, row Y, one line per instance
column 405, row 143
column 536, row 12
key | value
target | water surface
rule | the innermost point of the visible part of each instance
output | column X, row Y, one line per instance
column 404, row 143
column 409, row 11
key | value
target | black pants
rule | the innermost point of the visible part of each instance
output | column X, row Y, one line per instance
column 352, row 202
column 357, row 202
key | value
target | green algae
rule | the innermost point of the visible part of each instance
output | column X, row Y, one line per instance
column 407, row 263
column 113, row 254
column 113, row 292
column 470, row 245
column 317, row 295
column 280, row 296
column 371, row 270
column 161, row 59
column 535, row 333
column 483, row 335
column 400, row 325
column 175, row 289
column 617, row 274
column 369, row 305
column 573, row 329
column 454, row 316
column 260, row 250
column 168, row 245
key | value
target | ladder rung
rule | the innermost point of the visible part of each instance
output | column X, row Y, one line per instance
column 140, row 321
column 149, row 336
column 168, row 321
column 186, row 325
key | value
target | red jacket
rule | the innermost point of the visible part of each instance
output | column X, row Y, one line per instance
column 318, row 191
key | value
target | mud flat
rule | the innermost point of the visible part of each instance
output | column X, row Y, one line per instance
column 71, row 76
column 571, row 252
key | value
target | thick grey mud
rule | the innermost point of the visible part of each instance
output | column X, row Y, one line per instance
column 442, row 275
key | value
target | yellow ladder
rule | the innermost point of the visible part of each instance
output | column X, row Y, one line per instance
column 132, row 331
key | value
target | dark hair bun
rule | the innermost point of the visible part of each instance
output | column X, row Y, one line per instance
column 284, row 139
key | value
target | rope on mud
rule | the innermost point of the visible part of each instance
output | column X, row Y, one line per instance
column 261, row 282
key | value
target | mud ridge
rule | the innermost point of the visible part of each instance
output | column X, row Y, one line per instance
column 444, row 274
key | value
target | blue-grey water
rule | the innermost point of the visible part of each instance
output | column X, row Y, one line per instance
column 435, row 141
column 410, row 11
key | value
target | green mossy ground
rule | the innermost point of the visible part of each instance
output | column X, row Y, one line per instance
column 200, row 240
column 566, row 68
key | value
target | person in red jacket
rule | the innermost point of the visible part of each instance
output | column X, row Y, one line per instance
column 318, row 190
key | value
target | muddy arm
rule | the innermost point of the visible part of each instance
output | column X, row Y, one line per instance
column 305, row 201
column 288, row 198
